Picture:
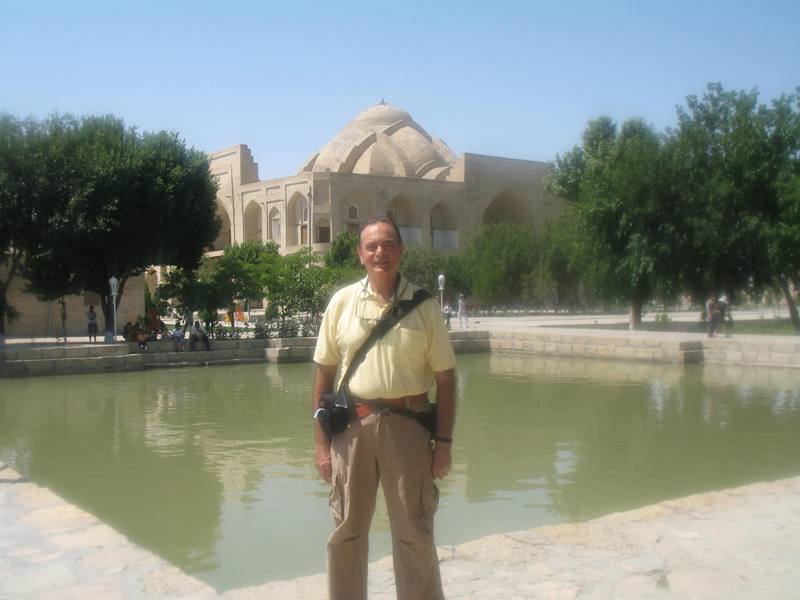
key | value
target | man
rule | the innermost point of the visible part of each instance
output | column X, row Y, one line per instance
column 178, row 336
column 463, row 315
column 198, row 334
column 382, row 446
column 91, row 319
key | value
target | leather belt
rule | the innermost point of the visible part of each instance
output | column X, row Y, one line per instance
column 366, row 407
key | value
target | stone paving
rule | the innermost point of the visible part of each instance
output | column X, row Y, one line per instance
column 742, row 543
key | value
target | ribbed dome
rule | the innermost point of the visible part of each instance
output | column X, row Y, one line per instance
column 384, row 140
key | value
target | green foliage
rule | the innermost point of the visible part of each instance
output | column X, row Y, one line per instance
column 558, row 271
column 18, row 171
column 300, row 285
column 738, row 161
column 342, row 253
column 619, row 186
column 497, row 257
column 112, row 202
column 422, row 265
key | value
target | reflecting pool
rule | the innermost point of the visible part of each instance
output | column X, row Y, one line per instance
column 211, row 468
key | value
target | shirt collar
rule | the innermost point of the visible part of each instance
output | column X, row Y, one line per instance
column 405, row 291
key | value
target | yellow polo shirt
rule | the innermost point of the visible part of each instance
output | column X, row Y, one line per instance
column 403, row 361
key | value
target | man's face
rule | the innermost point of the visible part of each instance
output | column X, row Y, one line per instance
column 379, row 249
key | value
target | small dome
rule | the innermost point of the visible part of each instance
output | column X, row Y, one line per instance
column 382, row 140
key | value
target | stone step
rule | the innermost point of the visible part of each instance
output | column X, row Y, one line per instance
column 71, row 366
column 61, row 351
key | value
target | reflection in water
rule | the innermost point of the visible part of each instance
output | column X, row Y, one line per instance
column 212, row 468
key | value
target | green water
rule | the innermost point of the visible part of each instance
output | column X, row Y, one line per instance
column 211, row 468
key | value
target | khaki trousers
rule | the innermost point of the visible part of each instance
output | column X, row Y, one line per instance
column 395, row 451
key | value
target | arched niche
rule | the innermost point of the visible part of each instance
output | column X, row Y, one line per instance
column 355, row 209
column 253, row 222
column 275, row 225
column 444, row 227
column 507, row 207
column 403, row 211
column 297, row 220
column 224, row 237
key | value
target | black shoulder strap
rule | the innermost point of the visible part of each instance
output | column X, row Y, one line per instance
column 389, row 320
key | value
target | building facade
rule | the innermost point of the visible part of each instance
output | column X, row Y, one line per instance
column 381, row 163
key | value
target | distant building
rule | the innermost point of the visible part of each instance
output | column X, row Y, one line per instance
column 381, row 163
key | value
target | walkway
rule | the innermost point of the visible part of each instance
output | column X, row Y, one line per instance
column 736, row 544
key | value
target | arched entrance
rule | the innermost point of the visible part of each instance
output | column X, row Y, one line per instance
column 275, row 225
column 322, row 230
column 444, row 227
column 224, row 237
column 403, row 210
column 297, row 221
column 508, row 207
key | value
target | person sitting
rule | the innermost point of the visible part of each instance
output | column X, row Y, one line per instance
column 178, row 337
column 198, row 333
column 141, row 339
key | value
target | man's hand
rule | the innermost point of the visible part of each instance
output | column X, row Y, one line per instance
column 323, row 383
column 323, row 461
column 442, row 460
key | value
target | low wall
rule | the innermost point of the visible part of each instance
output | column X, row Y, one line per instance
column 754, row 351
column 608, row 345
column 650, row 347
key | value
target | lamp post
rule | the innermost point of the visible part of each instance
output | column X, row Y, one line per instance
column 113, row 282
column 441, row 290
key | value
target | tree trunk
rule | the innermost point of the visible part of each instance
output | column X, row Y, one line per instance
column 787, row 292
column 635, row 314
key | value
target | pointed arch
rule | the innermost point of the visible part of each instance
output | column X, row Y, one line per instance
column 224, row 237
column 507, row 207
column 253, row 222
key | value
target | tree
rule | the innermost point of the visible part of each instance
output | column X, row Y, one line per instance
column 242, row 272
column 737, row 160
column 114, row 202
column 342, row 253
column 17, row 174
column 422, row 266
column 300, row 285
column 497, row 258
column 555, row 279
column 183, row 289
column 619, row 185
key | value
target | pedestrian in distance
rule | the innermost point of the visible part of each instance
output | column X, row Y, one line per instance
column 91, row 319
column 463, row 315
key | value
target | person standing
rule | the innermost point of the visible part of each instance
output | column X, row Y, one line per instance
column 91, row 318
column 725, row 317
column 712, row 314
column 379, row 445
column 463, row 316
column 447, row 311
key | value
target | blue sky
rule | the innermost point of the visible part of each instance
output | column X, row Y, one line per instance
column 516, row 79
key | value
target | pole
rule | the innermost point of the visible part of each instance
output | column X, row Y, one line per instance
column 113, row 283
column 114, row 312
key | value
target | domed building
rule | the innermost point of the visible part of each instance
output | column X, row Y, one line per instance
column 382, row 163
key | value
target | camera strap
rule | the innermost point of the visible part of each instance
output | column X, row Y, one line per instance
column 399, row 310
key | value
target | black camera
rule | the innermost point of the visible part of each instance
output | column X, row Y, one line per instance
column 333, row 413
